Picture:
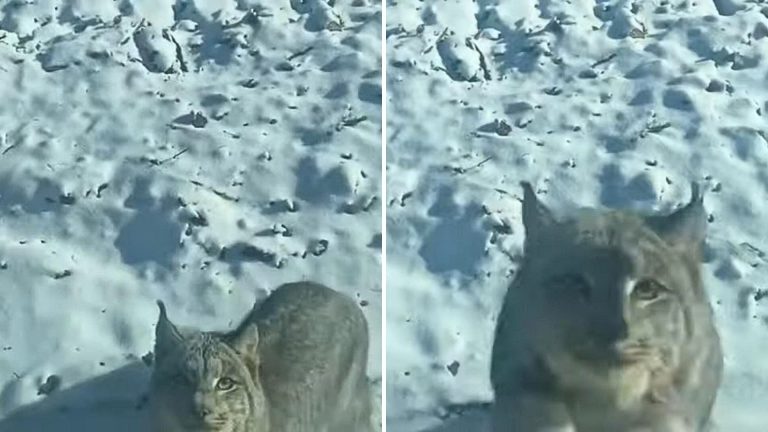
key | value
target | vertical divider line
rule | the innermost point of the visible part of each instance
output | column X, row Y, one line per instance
column 383, row 202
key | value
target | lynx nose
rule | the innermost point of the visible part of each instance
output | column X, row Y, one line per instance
column 202, row 408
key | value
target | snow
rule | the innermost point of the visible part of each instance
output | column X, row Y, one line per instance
column 199, row 152
column 607, row 103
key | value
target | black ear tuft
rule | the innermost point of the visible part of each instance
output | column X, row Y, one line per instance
column 535, row 214
column 161, row 306
column 167, row 336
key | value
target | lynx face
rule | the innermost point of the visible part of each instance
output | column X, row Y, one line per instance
column 615, row 302
column 612, row 285
column 201, row 383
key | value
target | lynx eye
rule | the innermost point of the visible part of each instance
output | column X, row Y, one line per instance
column 573, row 283
column 225, row 384
column 648, row 289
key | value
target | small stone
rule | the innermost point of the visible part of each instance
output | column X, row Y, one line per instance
column 375, row 242
column 198, row 219
column 67, row 199
column 62, row 274
column 194, row 118
column 319, row 247
column 199, row 120
column 761, row 294
column 716, row 86
column 453, row 368
column 249, row 83
column 51, row 384
column 102, row 187
column 501, row 127
column 291, row 206
column 284, row 66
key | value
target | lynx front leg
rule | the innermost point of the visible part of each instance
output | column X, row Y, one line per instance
column 530, row 413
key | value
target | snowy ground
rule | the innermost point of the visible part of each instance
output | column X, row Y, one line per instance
column 598, row 103
column 200, row 152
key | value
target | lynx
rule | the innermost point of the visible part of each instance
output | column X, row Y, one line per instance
column 296, row 363
column 607, row 326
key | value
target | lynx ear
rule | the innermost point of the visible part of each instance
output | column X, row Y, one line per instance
column 245, row 340
column 686, row 226
column 167, row 336
column 535, row 215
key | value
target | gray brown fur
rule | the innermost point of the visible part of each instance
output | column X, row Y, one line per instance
column 607, row 326
column 298, row 363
